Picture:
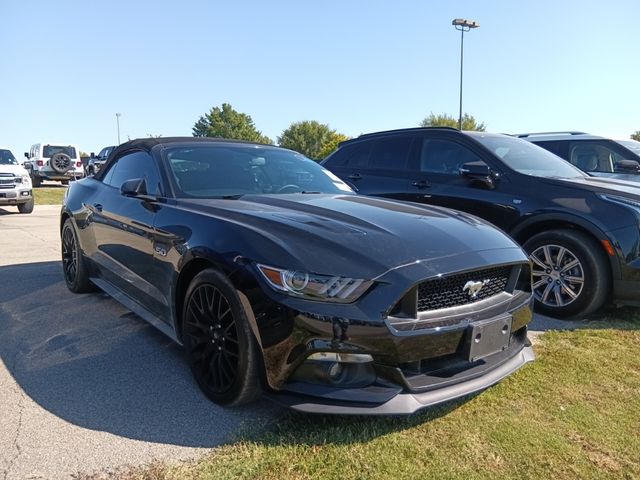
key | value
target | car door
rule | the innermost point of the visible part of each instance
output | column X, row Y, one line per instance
column 123, row 228
column 376, row 166
column 436, row 179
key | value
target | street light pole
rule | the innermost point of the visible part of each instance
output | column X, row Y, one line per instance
column 118, row 123
column 464, row 26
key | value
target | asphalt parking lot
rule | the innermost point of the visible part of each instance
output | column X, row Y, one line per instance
column 87, row 386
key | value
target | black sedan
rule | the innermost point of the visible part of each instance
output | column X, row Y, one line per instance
column 277, row 278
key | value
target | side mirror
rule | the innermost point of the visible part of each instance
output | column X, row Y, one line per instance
column 478, row 172
column 26, row 155
column 92, row 155
column 627, row 166
column 134, row 188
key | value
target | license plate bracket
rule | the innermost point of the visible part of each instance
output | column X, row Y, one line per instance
column 487, row 337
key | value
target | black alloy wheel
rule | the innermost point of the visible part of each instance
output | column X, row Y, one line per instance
column 570, row 273
column 73, row 263
column 220, row 347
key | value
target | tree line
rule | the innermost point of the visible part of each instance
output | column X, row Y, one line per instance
column 311, row 138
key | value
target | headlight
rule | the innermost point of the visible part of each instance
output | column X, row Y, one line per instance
column 326, row 288
column 627, row 202
column 26, row 180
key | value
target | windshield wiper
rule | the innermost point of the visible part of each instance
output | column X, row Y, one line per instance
column 308, row 192
column 235, row 196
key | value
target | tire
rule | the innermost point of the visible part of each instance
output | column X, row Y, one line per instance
column 64, row 182
column 60, row 162
column 570, row 273
column 36, row 181
column 26, row 207
column 220, row 347
column 74, row 268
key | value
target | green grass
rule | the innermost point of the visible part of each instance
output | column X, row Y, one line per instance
column 49, row 195
column 572, row 414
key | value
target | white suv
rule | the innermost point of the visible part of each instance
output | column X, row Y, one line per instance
column 47, row 161
column 15, row 184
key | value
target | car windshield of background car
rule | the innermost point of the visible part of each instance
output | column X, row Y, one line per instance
column 529, row 159
column 631, row 145
column 215, row 171
column 49, row 151
column 7, row 158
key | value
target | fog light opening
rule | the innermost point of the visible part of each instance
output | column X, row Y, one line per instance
column 335, row 371
column 341, row 370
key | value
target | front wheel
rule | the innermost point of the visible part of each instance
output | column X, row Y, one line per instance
column 570, row 274
column 74, row 267
column 26, row 207
column 221, row 349
column 36, row 181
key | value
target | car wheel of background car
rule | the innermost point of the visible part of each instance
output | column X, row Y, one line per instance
column 570, row 274
column 73, row 264
column 26, row 207
column 36, row 181
column 221, row 349
column 60, row 162
column 64, row 182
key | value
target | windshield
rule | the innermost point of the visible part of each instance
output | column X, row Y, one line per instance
column 215, row 171
column 104, row 153
column 631, row 145
column 7, row 158
column 526, row 158
column 49, row 151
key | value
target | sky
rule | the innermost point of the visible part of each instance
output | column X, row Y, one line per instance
column 67, row 67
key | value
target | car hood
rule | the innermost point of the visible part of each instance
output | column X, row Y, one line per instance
column 15, row 169
column 346, row 233
column 614, row 186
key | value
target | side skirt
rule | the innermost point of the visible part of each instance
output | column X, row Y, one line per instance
column 135, row 307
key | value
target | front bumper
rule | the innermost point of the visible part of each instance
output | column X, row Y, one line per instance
column 404, row 403
column 407, row 371
column 15, row 196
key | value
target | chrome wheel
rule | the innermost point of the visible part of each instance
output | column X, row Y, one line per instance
column 69, row 255
column 558, row 275
column 211, row 339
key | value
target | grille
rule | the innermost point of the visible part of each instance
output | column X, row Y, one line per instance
column 446, row 292
column 7, row 181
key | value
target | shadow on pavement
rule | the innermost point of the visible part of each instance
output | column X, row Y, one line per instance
column 91, row 362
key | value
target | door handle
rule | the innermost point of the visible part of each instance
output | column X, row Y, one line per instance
column 421, row 184
column 98, row 207
column 355, row 176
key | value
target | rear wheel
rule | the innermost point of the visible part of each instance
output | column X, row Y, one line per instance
column 570, row 274
column 221, row 350
column 36, row 181
column 74, row 268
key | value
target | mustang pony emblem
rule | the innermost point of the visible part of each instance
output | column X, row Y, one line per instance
column 474, row 287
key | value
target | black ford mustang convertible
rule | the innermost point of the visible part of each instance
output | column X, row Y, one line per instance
column 277, row 278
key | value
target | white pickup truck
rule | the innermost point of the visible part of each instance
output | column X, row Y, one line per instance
column 15, row 183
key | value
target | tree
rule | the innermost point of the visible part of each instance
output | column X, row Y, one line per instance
column 444, row 120
column 225, row 122
column 311, row 138
column 636, row 136
column 332, row 145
